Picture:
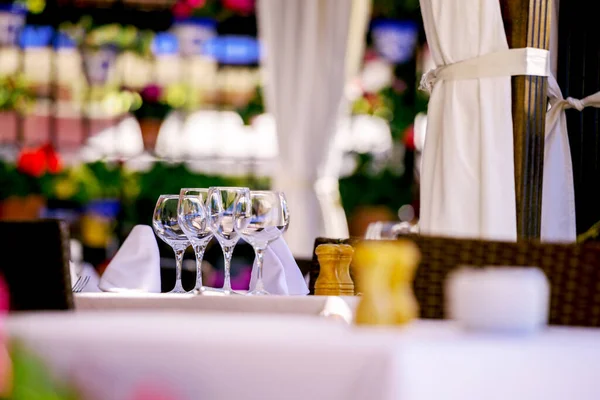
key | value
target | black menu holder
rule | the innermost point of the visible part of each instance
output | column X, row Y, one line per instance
column 34, row 261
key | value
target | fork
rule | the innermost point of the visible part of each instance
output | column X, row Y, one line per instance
column 82, row 281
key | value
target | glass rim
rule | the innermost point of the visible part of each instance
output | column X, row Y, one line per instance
column 266, row 191
column 190, row 189
column 230, row 188
column 168, row 196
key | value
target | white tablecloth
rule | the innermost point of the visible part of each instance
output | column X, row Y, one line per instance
column 254, row 356
column 305, row 305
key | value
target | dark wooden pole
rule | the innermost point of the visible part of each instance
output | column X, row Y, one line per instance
column 527, row 24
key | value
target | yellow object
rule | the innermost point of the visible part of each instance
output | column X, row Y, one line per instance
column 36, row 6
column 96, row 231
column 385, row 273
column 65, row 189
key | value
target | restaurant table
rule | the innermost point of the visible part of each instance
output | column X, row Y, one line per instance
column 297, row 305
column 267, row 356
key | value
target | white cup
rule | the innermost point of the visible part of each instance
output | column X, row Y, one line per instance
column 499, row 299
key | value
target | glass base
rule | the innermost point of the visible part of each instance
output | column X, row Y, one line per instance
column 231, row 292
column 207, row 291
column 258, row 292
column 178, row 288
column 210, row 291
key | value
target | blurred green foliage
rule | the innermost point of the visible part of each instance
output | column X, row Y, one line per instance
column 255, row 107
column 169, row 178
column 370, row 187
column 15, row 94
column 123, row 38
column 32, row 380
column 137, row 190
column 15, row 183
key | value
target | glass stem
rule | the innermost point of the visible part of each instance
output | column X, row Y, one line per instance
column 227, row 254
column 199, row 250
column 178, row 266
column 259, row 264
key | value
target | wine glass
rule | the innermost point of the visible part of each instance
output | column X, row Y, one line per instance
column 387, row 230
column 166, row 226
column 193, row 219
column 286, row 212
column 221, row 203
column 259, row 220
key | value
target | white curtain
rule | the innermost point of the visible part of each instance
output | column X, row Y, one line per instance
column 558, row 196
column 558, row 201
column 306, row 48
column 558, row 192
column 467, row 177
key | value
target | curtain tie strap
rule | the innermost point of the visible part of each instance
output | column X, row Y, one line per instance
column 559, row 104
column 511, row 62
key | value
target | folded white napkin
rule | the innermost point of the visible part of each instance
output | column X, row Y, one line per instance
column 281, row 274
column 85, row 269
column 73, row 271
column 136, row 266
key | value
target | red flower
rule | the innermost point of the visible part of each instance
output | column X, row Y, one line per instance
column 37, row 162
column 409, row 137
column 182, row 10
column 32, row 162
column 53, row 163
column 242, row 6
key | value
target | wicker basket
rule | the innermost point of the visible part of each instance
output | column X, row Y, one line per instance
column 573, row 272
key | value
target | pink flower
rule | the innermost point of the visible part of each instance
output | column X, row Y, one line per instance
column 370, row 55
column 182, row 10
column 151, row 93
column 196, row 3
column 4, row 297
column 242, row 280
column 5, row 362
column 241, row 6
column 150, row 391
column 399, row 86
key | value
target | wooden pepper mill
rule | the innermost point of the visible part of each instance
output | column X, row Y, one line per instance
column 385, row 274
column 328, row 283
column 346, row 284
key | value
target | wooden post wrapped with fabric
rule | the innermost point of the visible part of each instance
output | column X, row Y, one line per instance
column 527, row 24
